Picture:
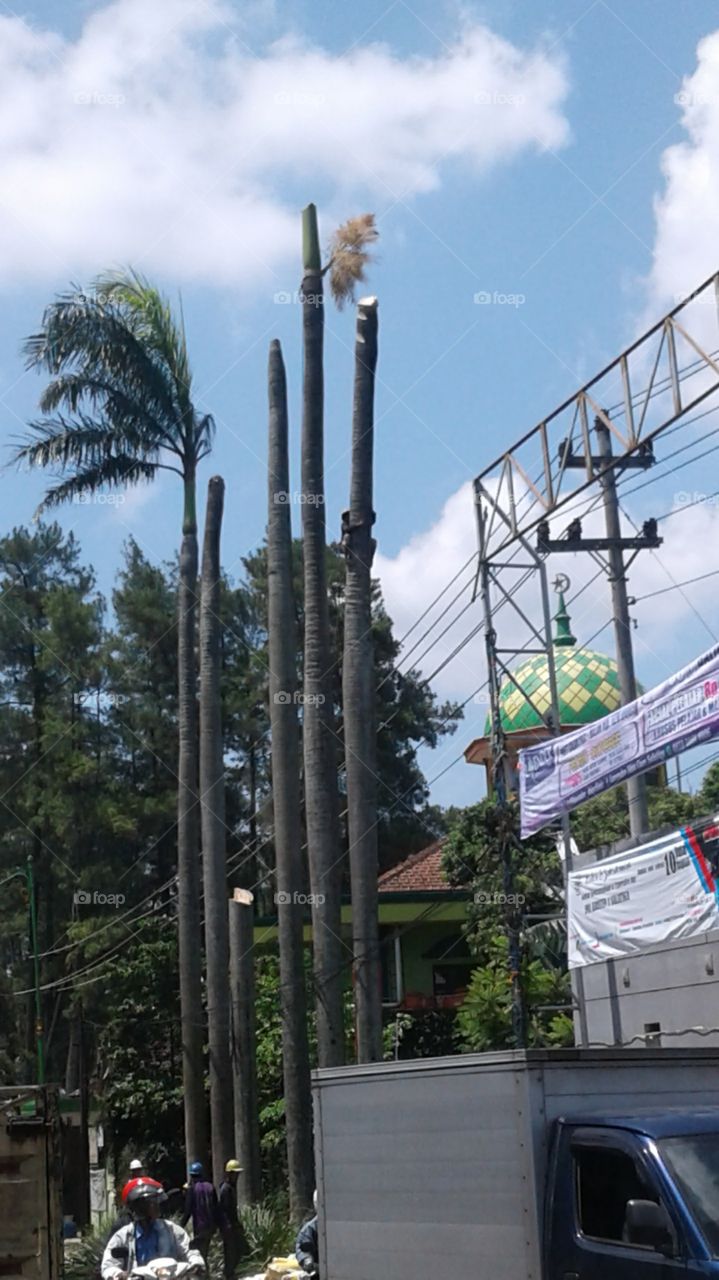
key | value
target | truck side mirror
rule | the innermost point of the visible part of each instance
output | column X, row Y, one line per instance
column 647, row 1223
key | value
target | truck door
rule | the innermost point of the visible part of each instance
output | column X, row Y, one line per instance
column 600, row 1171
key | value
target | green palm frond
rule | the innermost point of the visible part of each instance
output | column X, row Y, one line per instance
column 120, row 391
column 154, row 324
column 116, row 472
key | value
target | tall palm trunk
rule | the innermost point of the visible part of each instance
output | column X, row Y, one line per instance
column 358, row 695
column 320, row 756
column 188, row 861
column 286, row 798
column 214, row 860
column 244, row 1046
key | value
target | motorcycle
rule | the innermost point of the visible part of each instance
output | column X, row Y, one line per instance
column 159, row 1268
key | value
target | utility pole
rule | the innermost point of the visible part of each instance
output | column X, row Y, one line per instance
column 603, row 467
column 85, row 1202
column 636, row 787
column 39, row 1031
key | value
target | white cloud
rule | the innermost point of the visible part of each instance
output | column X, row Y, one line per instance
column 687, row 210
column 157, row 137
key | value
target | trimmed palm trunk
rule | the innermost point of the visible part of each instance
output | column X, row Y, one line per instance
column 214, row 859
column 358, row 696
column 117, row 409
column 188, row 852
column 244, row 1046
column 286, row 799
column 318, row 729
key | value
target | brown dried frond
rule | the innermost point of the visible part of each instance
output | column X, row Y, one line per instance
column 349, row 256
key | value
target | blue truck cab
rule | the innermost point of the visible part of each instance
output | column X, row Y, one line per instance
column 633, row 1197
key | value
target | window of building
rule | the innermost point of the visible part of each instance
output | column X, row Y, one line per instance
column 450, row 979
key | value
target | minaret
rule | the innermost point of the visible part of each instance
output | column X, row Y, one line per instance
column 563, row 638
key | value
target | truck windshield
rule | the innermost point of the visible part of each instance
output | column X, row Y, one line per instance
column 693, row 1161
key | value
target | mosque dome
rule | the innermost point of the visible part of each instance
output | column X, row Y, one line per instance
column 587, row 685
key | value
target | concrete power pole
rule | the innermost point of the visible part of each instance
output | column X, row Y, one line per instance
column 600, row 466
column 636, row 787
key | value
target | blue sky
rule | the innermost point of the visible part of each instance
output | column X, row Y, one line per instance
column 549, row 176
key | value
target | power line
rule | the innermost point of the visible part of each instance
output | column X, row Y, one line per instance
column 688, row 582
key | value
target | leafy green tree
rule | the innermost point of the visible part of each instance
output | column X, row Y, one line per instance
column 485, row 1018
column 134, row 1011
column 471, row 859
column 59, row 805
column 707, row 798
column 605, row 818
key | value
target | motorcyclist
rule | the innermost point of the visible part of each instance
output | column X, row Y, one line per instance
column 147, row 1236
column 125, row 1216
column 307, row 1249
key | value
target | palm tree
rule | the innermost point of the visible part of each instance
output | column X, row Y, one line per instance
column 348, row 257
column 358, row 696
column 214, row 859
column 286, row 797
column 118, row 409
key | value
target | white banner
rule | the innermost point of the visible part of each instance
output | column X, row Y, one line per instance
column 660, row 892
column 680, row 713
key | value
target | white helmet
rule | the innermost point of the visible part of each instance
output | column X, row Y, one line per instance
column 135, row 1165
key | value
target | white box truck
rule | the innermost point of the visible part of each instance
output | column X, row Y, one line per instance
column 537, row 1165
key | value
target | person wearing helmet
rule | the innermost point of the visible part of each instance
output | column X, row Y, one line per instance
column 137, row 1169
column 307, row 1251
column 233, row 1241
column 147, row 1236
column 201, row 1205
column 125, row 1216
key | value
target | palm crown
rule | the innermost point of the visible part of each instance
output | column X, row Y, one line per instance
column 119, row 404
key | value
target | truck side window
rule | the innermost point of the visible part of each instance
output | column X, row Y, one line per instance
column 605, row 1180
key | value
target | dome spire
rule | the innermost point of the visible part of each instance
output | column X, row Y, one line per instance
column 563, row 637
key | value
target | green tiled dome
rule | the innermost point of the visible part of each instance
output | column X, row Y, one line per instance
column 587, row 685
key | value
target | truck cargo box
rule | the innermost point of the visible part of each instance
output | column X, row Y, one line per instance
column 436, row 1168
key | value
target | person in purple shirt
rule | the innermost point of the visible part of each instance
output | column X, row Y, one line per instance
column 201, row 1205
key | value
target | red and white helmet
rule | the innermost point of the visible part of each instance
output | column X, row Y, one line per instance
column 142, row 1189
